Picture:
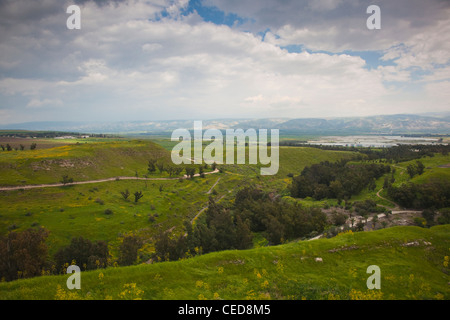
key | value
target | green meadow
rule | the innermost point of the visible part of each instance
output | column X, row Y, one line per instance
column 97, row 211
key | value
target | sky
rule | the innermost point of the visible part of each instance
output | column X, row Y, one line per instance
column 210, row 59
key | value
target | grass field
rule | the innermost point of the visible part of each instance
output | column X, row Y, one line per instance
column 79, row 210
column 84, row 161
column 412, row 263
column 285, row 272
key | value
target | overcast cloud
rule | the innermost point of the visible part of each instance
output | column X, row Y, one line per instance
column 162, row 59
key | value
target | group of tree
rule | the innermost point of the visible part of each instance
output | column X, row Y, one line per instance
column 431, row 217
column 432, row 194
column 66, row 180
column 232, row 227
column 395, row 154
column 8, row 147
column 176, row 170
column 172, row 170
column 86, row 254
column 418, row 169
column 24, row 254
column 137, row 195
column 338, row 180
column 366, row 207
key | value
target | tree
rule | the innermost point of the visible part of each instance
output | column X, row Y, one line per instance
column 419, row 167
column 151, row 165
column 386, row 183
column 66, row 179
column 244, row 236
column 23, row 254
column 3, row 147
column 360, row 226
column 129, row 250
column 86, row 254
column 190, row 171
column 33, row 146
column 372, row 185
column 160, row 166
column 125, row 194
column 374, row 221
column 138, row 195
column 8, row 147
column 336, row 189
column 22, row 147
column 428, row 215
column 411, row 169
column 338, row 219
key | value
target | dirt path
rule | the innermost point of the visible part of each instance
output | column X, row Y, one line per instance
column 210, row 190
column 396, row 206
column 35, row 186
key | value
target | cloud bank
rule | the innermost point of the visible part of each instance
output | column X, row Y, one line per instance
column 164, row 59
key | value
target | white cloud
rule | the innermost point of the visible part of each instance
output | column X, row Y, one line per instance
column 130, row 62
column 37, row 103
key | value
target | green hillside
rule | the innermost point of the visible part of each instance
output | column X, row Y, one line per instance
column 413, row 262
column 83, row 161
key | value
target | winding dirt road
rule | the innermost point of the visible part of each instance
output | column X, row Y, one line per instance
column 35, row 186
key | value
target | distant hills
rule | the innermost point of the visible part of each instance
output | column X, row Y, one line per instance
column 382, row 124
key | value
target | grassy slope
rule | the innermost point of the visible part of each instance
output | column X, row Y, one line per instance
column 282, row 272
column 433, row 170
column 85, row 161
column 181, row 200
column 73, row 211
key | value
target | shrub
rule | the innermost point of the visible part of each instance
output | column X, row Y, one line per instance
column 108, row 212
column 100, row 201
column 428, row 215
column 338, row 218
column 444, row 218
column 419, row 221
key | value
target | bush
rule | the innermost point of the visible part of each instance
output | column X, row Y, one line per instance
column 100, row 201
column 420, row 222
column 444, row 218
column 428, row 215
column 108, row 212
column 338, row 219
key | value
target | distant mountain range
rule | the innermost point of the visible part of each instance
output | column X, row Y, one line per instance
column 383, row 124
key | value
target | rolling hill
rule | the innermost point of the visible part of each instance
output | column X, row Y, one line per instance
column 382, row 124
column 81, row 161
column 413, row 263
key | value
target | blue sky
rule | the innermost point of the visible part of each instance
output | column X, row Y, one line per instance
column 202, row 59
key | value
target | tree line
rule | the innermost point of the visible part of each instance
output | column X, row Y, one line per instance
column 338, row 180
column 8, row 147
column 434, row 194
column 25, row 254
column 395, row 154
